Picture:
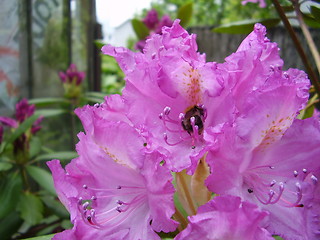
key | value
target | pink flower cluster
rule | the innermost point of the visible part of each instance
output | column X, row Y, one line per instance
column 23, row 111
column 154, row 25
column 179, row 114
column 72, row 75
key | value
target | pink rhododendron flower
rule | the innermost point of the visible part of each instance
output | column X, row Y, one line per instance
column 279, row 173
column 226, row 217
column 164, row 22
column 72, row 80
column 1, row 134
column 154, row 25
column 23, row 111
column 115, row 189
column 262, row 3
column 72, row 75
column 174, row 93
column 151, row 19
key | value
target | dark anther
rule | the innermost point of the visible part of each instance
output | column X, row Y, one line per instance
column 196, row 112
column 250, row 190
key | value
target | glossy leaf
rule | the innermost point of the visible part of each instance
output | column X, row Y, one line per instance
column 185, row 13
column 5, row 166
column 99, row 44
column 42, row 177
column 55, row 206
column 315, row 11
column 277, row 238
column 93, row 99
column 23, row 127
column 96, row 94
column 311, row 21
column 35, row 147
column 246, row 26
column 308, row 112
column 140, row 29
column 31, row 208
column 288, row 8
column 10, row 188
column 62, row 156
column 46, row 237
column 10, row 225
column 40, row 102
column 51, row 112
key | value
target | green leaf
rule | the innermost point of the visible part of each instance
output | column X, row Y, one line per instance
column 40, row 102
column 185, row 14
column 31, row 208
column 277, row 238
column 315, row 11
column 93, row 99
column 55, row 206
column 57, row 155
column 10, row 225
column 35, row 146
column 22, row 128
column 99, row 44
column 246, row 26
column 308, row 112
column 46, row 237
column 96, row 94
column 140, row 29
column 42, row 177
column 5, row 166
column 51, row 112
column 311, row 21
column 10, row 188
column 288, row 8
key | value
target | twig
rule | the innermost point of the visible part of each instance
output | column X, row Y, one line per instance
column 313, row 77
column 307, row 35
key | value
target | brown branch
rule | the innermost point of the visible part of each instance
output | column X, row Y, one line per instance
column 312, row 75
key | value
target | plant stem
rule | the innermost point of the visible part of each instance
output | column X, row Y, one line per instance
column 303, row 56
column 307, row 35
column 179, row 217
column 186, row 192
column 73, row 123
column 24, row 177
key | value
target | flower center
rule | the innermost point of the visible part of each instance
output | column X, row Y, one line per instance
column 191, row 122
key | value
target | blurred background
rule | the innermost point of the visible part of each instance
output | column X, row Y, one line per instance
column 50, row 55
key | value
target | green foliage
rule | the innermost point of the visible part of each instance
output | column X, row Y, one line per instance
column 9, row 225
column 62, row 156
column 10, row 188
column 245, row 26
column 112, row 76
column 277, row 238
column 315, row 11
column 19, row 131
column 140, row 28
column 54, row 51
column 51, row 112
column 42, row 177
column 185, row 14
column 31, row 208
column 44, row 102
column 47, row 237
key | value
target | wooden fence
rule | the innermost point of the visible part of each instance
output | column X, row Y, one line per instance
column 217, row 46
